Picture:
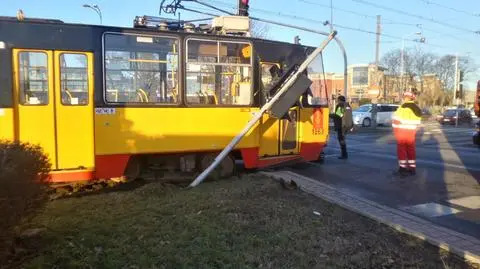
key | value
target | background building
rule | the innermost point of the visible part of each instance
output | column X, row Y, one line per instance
column 370, row 83
column 365, row 81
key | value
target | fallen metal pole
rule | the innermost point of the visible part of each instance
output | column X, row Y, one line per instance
column 259, row 114
column 339, row 43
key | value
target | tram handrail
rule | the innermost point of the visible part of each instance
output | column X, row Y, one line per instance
column 144, row 94
column 69, row 94
column 140, row 96
column 260, row 113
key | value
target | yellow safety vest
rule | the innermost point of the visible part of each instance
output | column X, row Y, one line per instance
column 405, row 117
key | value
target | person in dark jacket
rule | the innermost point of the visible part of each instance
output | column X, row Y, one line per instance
column 342, row 120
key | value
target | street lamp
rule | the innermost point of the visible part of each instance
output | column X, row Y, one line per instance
column 402, row 60
column 96, row 9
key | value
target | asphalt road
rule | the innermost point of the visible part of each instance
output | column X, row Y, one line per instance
column 446, row 189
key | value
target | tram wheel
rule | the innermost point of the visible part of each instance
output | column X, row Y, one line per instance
column 226, row 168
column 134, row 168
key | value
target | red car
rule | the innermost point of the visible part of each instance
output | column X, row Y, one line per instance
column 450, row 117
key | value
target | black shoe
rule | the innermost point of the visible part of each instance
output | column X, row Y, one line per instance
column 401, row 172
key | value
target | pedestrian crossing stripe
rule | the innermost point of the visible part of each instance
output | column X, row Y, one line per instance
column 471, row 202
column 431, row 210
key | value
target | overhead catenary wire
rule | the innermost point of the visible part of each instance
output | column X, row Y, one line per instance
column 340, row 26
column 385, row 20
column 323, row 22
column 352, row 12
column 429, row 2
column 405, row 13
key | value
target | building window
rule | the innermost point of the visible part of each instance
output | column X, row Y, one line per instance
column 74, row 79
column 218, row 72
column 360, row 76
column 33, row 78
column 141, row 69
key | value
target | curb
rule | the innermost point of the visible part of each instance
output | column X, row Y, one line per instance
column 462, row 245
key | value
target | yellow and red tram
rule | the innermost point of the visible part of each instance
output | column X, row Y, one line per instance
column 105, row 102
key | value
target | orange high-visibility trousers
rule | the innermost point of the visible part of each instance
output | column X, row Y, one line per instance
column 406, row 147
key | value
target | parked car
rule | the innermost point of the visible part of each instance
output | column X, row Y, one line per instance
column 450, row 116
column 363, row 114
column 472, row 112
column 476, row 134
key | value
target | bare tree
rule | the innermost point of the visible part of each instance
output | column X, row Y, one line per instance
column 418, row 63
column 392, row 61
column 445, row 69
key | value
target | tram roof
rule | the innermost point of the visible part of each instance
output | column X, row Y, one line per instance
column 140, row 30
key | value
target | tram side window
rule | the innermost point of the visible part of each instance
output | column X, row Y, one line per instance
column 141, row 69
column 74, row 79
column 218, row 73
column 33, row 78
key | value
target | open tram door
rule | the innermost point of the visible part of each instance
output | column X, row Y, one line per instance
column 278, row 136
column 53, row 95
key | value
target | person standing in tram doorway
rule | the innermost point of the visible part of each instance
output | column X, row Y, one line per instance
column 343, row 122
column 405, row 122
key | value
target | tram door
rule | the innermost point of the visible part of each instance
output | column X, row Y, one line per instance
column 289, row 133
column 278, row 136
column 54, row 105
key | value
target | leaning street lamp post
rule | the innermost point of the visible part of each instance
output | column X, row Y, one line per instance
column 96, row 9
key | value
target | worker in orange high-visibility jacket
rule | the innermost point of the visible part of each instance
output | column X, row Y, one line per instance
column 405, row 122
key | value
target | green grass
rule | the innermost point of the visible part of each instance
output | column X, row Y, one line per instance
column 251, row 222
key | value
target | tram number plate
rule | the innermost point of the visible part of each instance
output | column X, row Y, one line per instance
column 104, row 110
column 317, row 131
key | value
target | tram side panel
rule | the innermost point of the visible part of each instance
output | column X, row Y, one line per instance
column 6, row 100
column 121, row 133
column 314, row 126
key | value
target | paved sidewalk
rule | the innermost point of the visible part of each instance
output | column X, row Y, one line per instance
column 462, row 245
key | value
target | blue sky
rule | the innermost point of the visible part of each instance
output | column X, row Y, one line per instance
column 360, row 46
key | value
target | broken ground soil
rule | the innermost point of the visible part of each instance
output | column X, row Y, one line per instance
column 248, row 222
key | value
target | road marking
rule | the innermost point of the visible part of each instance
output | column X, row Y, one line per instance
column 431, row 210
column 472, row 202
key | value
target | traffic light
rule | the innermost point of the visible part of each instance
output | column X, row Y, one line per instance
column 243, row 7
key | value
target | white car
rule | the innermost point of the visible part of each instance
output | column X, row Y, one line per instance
column 363, row 114
column 472, row 112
